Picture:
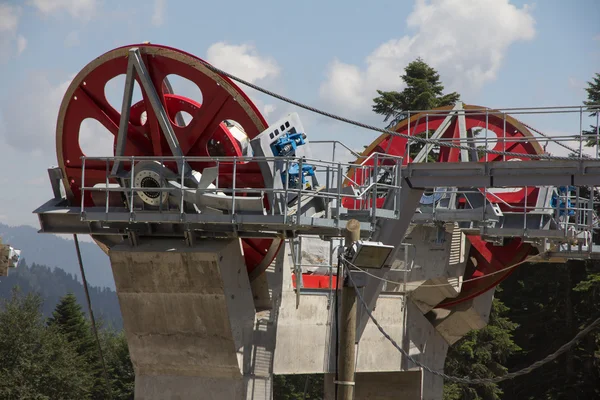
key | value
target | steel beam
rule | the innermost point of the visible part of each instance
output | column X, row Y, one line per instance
column 503, row 174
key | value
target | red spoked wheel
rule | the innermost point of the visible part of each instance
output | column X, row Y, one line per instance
column 206, row 134
column 503, row 133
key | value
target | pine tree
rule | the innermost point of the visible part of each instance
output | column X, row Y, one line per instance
column 298, row 387
column 593, row 99
column 36, row 361
column 423, row 92
column 70, row 320
column 118, row 363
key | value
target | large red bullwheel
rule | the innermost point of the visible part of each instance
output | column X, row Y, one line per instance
column 205, row 134
column 449, row 125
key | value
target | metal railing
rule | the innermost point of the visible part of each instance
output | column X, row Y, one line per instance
column 119, row 194
column 581, row 143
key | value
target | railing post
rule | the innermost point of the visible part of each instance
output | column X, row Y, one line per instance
column 131, row 185
column 374, row 197
column 82, row 187
column 233, row 188
column 107, row 192
column 580, row 133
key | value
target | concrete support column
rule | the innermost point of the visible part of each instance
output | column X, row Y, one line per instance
column 405, row 385
column 189, row 318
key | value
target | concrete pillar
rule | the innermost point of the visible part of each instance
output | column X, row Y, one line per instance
column 404, row 385
column 189, row 318
column 431, row 267
column 306, row 344
column 457, row 321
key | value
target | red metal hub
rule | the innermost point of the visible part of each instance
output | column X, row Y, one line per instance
column 222, row 100
column 504, row 134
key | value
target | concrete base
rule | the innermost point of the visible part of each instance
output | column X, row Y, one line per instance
column 381, row 386
column 457, row 321
column 306, row 344
column 187, row 387
column 433, row 266
column 189, row 318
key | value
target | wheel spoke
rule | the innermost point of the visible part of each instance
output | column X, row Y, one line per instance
column 222, row 100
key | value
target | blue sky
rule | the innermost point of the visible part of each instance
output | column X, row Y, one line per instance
column 331, row 54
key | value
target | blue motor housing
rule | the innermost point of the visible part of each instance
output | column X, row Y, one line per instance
column 286, row 144
column 558, row 200
column 297, row 179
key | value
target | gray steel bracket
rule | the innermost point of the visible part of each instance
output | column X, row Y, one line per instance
column 136, row 67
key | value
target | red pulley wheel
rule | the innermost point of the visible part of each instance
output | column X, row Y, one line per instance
column 222, row 100
column 503, row 133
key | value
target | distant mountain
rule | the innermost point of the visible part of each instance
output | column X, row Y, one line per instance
column 54, row 283
column 54, row 251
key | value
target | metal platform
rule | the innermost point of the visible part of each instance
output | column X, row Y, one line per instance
column 497, row 174
column 474, row 178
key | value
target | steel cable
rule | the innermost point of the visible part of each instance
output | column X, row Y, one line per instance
column 476, row 381
column 372, row 127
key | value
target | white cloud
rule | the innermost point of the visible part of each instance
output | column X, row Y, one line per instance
column 29, row 127
column 72, row 39
column 9, row 18
column 158, row 16
column 465, row 40
column 242, row 61
column 268, row 109
column 32, row 130
column 81, row 9
column 21, row 44
column 9, row 22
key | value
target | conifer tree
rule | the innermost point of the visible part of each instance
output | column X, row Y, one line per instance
column 593, row 99
column 423, row 92
column 70, row 320
column 36, row 361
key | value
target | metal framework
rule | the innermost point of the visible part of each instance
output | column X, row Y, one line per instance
column 169, row 178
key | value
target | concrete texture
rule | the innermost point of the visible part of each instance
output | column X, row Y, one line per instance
column 457, row 321
column 306, row 335
column 197, row 328
column 306, row 342
column 260, row 356
column 188, row 315
column 441, row 281
column 381, row 386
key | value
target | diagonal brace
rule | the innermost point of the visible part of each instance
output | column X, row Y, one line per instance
column 136, row 66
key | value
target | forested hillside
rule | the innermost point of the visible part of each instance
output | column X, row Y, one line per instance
column 53, row 283
column 54, row 251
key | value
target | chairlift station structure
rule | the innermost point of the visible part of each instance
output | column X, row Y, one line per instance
column 223, row 231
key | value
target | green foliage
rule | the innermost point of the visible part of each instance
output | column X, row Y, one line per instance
column 292, row 387
column 423, row 92
column 480, row 354
column 551, row 303
column 593, row 99
column 118, row 364
column 53, row 283
column 57, row 358
column 36, row 361
column 70, row 320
